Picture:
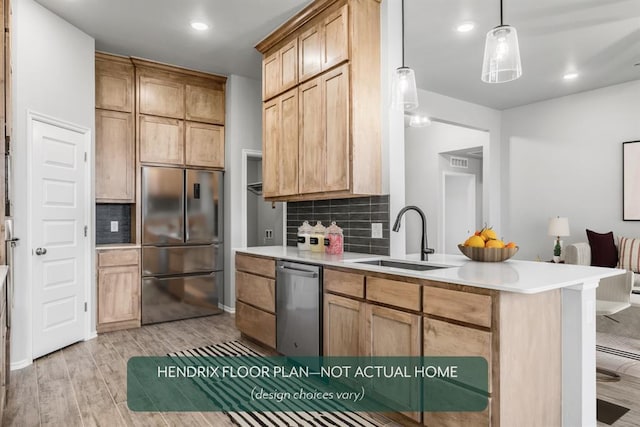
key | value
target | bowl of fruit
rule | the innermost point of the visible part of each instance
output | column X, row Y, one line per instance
column 485, row 246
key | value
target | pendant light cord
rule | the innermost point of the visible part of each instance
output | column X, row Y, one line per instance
column 501, row 22
column 403, row 32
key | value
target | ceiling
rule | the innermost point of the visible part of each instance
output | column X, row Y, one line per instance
column 600, row 39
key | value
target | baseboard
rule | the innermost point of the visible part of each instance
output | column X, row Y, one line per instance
column 92, row 335
column 14, row 366
column 231, row 310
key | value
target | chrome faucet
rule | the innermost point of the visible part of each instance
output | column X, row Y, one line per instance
column 424, row 251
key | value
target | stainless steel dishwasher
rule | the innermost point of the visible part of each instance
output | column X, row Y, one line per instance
column 299, row 309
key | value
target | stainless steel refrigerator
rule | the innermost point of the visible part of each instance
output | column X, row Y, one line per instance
column 182, row 248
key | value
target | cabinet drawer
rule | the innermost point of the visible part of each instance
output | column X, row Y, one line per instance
column 446, row 339
column 256, row 324
column 393, row 292
column 261, row 266
column 344, row 283
column 457, row 305
column 118, row 257
column 456, row 419
column 256, row 290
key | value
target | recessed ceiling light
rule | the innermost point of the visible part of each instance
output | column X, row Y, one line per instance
column 570, row 76
column 200, row 26
column 465, row 27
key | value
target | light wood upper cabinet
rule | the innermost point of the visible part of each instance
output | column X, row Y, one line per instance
column 181, row 116
column 312, row 143
column 335, row 40
column 335, row 111
column 115, row 157
column 271, row 75
column 289, row 65
column 114, row 83
column 205, row 103
column 161, row 140
column 204, row 145
column 280, row 70
column 343, row 326
column 339, row 141
column 324, row 142
column 161, row 96
column 280, row 145
column 310, row 48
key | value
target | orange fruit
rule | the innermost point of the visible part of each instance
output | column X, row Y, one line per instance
column 510, row 245
column 494, row 243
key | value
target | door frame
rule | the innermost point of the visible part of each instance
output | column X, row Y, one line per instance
column 246, row 155
column 443, row 200
column 89, row 213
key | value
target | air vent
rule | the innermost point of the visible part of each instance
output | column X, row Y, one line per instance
column 459, row 162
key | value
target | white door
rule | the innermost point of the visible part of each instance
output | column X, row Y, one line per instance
column 459, row 209
column 57, row 236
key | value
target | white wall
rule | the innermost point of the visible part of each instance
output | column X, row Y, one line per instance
column 243, row 129
column 53, row 74
column 564, row 157
column 423, row 176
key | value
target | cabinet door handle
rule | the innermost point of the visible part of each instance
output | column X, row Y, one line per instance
column 41, row 251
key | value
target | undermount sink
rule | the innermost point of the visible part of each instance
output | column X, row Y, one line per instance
column 399, row 264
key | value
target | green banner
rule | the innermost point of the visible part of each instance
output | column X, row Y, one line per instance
column 334, row 384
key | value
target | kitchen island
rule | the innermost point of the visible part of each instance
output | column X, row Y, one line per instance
column 534, row 323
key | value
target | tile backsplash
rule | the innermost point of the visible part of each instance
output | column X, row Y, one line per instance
column 105, row 213
column 354, row 216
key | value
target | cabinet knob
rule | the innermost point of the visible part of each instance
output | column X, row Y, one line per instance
column 41, row 251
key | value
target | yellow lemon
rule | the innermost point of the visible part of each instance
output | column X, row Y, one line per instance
column 495, row 243
column 489, row 234
column 475, row 242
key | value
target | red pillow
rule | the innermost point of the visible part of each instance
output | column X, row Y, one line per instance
column 603, row 249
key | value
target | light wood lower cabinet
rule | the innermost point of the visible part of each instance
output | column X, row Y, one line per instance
column 444, row 339
column 256, row 298
column 256, row 324
column 389, row 333
column 343, row 326
column 118, row 290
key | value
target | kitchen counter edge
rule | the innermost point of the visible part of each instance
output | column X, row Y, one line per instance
column 524, row 277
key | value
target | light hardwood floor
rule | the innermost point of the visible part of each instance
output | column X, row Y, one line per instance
column 85, row 384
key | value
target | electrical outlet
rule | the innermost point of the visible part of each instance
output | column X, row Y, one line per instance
column 114, row 226
column 376, row 230
column 268, row 234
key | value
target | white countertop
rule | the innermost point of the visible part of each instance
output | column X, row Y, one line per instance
column 109, row 246
column 526, row 277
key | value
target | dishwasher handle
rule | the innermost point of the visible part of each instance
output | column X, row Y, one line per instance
column 297, row 272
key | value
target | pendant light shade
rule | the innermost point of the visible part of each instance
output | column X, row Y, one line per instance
column 404, row 93
column 501, row 54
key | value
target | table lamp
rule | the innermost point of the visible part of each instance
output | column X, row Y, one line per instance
column 558, row 227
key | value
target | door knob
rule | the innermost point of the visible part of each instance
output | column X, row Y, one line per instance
column 41, row 251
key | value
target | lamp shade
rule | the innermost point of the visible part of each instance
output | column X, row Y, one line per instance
column 501, row 55
column 404, row 94
column 558, row 226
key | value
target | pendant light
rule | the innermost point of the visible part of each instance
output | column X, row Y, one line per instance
column 404, row 94
column 501, row 54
